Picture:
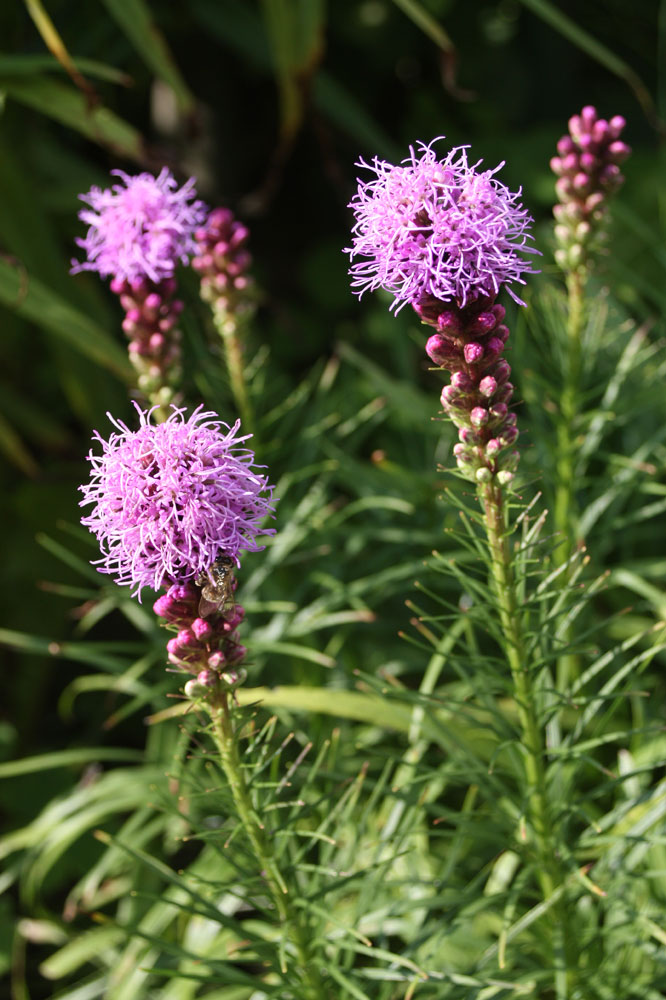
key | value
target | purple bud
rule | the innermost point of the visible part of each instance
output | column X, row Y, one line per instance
column 448, row 322
column 600, row 130
column 216, row 660
column 461, row 380
column 450, row 396
column 563, row 188
column 163, row 606
column 467, row 435
column 565, row 145
column 488, row 386
column 499, row 410
column 493, row 347
column 207, row 678
column 588, row 116
column 575, row 125
column 439, row 349
column 473, row 352
column 619, row 150
column 479, row 416
column 508, row 435
column 201, row 628
column 502, row 371
column 616, row 125
column 482, row 323
column 173, row 647
column 185, row 638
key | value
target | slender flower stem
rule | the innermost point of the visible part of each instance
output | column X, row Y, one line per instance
column 565, row 512
column 566, row 509
column 233, row 350
column 492, row 500
column 224, row 736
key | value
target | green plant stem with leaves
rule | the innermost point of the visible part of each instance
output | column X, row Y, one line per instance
column 511, row 620
column 566, row 514
column 225, row 737
column 231, row 331
column 566, row 511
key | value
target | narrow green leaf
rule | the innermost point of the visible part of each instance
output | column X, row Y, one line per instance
column 27, row 65
column 15, row 450
column 135, row 19
column 67, row 758
column 84, row 948
column 32, row 300
column 69, row 106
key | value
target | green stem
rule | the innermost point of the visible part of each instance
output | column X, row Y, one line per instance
column 230, row 331
column 492, row 500
column 565, row 510
column 224, row 736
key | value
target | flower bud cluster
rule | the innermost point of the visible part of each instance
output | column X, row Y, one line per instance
column 469, row 343
column 588, row 171
column 206, row 647
column 223, row 261
column 151, row 326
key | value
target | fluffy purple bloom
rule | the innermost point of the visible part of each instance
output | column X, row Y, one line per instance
column 440, row 228
column 140, row 228
column 169, row 498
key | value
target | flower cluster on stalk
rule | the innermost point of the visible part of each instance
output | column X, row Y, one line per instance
column 139, row 230
column 445, row 237
column 587, row 167
column 169, row 501
column 223, row 261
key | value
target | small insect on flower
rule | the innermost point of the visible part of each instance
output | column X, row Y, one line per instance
column 217, row 589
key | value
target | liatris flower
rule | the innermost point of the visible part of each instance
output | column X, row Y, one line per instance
column 141, row 228
column 170, row 499
column 139, row 231
column 588, row 171
column 444, row 237
column 438, row 228
column 223, row 262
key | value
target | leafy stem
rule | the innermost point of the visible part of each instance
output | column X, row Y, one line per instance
column 492, row 500
column 225, row 737
column 230, row 330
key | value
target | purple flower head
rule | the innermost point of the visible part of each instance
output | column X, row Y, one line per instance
column 140, row 228
column 438, row 227
column 169, row 498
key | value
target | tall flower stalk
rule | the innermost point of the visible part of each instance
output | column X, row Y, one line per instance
column 445, row 237
column 173, row 504
column 222, row 260
column 587, row 167
column 139, row 230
